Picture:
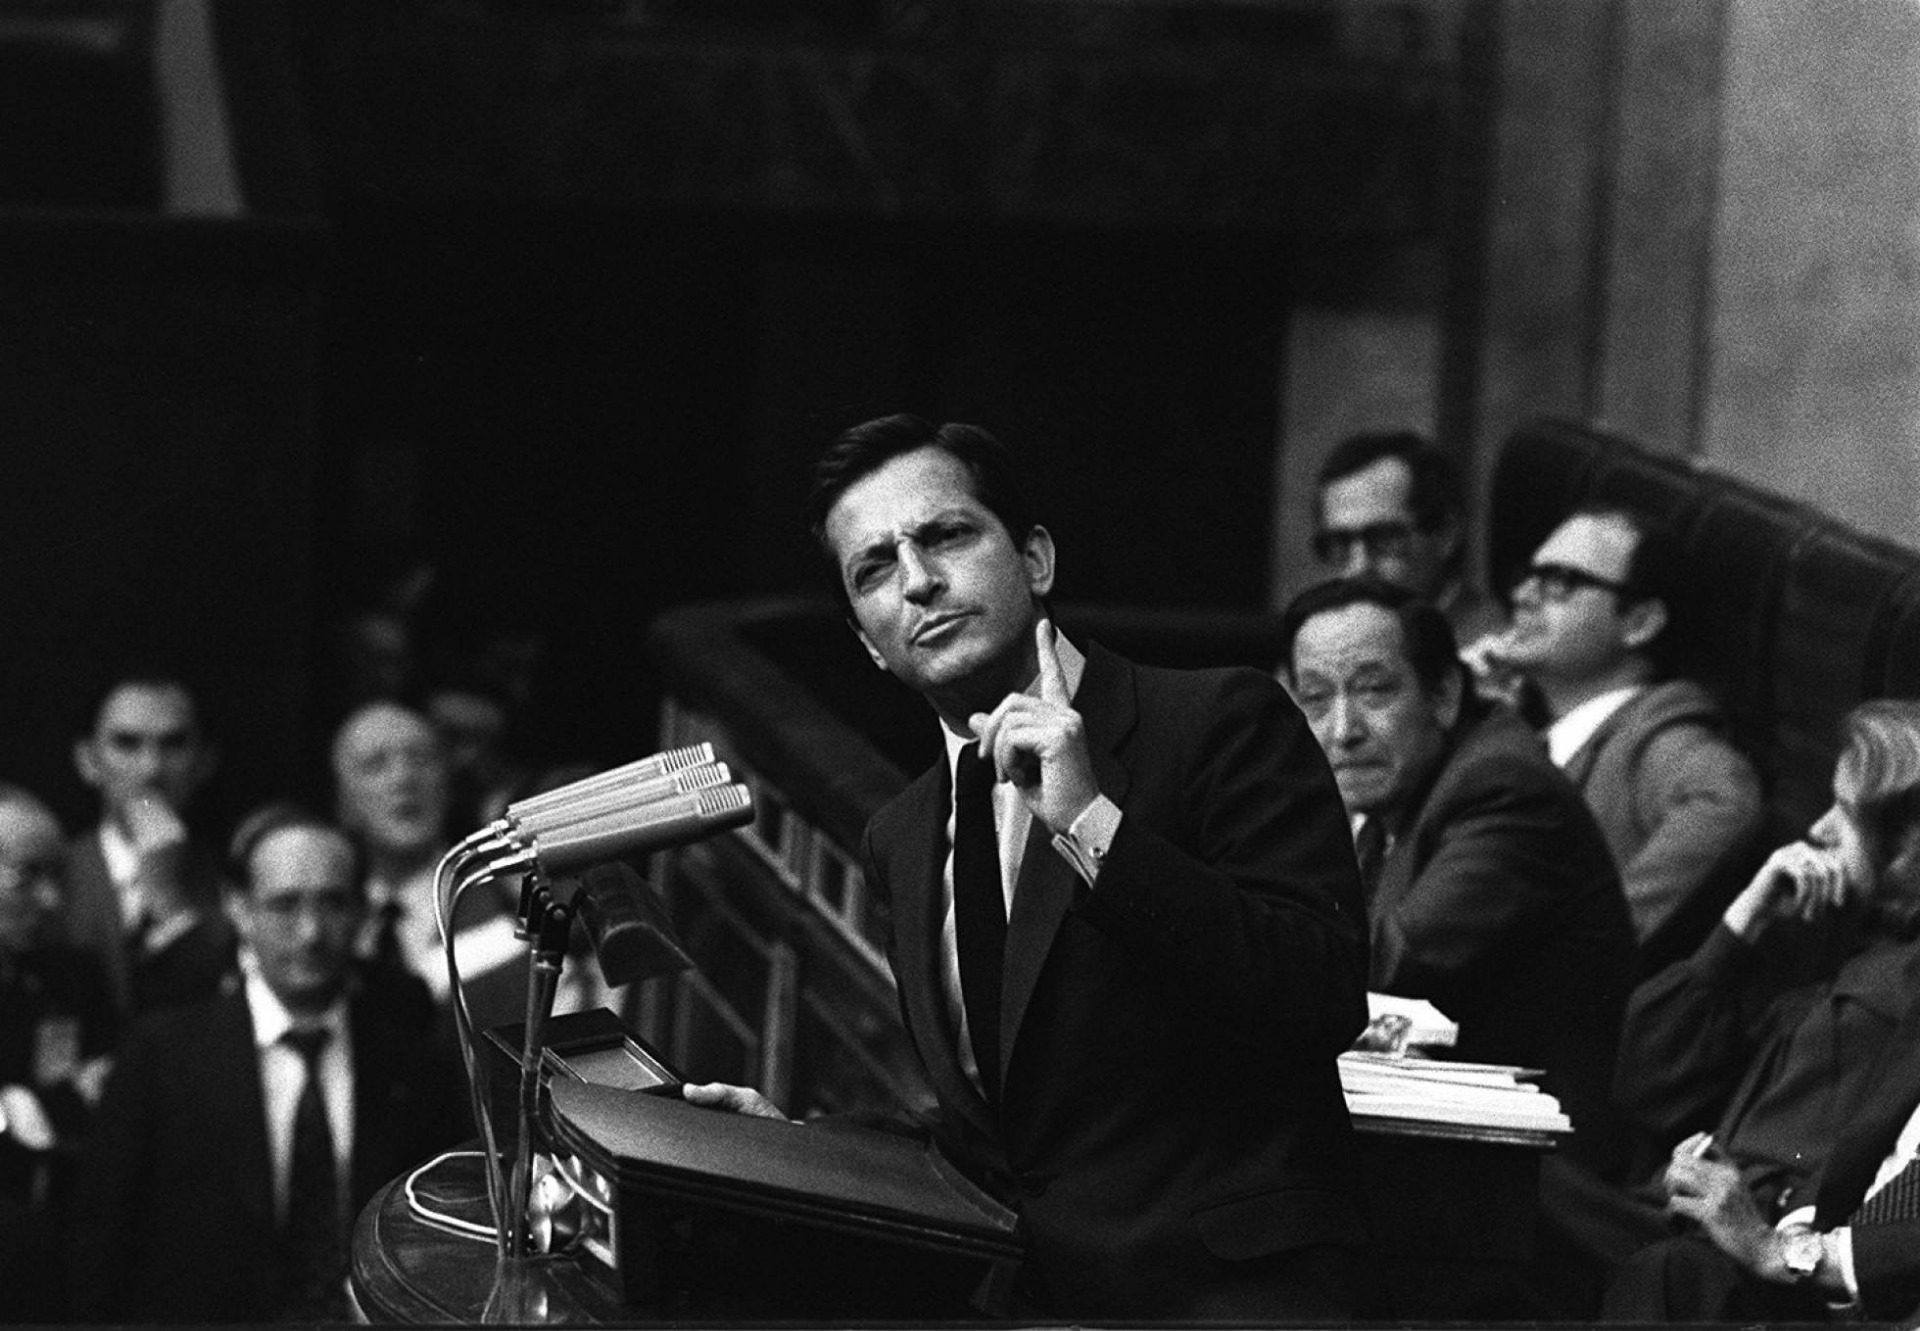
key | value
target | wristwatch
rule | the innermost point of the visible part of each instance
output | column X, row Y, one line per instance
column 1800, row 1252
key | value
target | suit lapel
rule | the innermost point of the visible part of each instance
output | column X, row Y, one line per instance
column 376, row 1118
column 915, row 868
column 1867, row 1139
column 1048, row 884
column 232, row 1088
column 1580, row 766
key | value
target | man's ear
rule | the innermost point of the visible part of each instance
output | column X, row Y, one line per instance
column 234, row 903
column 1037, row 553
column 86, row 762
column 1642, row 623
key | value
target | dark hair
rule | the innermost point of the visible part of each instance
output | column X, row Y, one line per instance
column 1424, row 631
column 157, row 677
column 857, row 452
column 277, row 816
column 1653, row 572
column 1435, row 497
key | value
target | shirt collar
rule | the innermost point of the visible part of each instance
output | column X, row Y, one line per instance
column 271, row 1020
column 122, row 859
column 1073, row 664
column 1565, row 736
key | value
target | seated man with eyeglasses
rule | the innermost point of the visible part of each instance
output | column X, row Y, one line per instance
column 1592, row 632
column 238, row 1137
column 1391, row 505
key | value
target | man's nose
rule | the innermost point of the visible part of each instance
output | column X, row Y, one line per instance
column 1347, row 723
column 920, row 576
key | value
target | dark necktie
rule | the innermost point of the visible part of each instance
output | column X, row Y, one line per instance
column 386, row 936
column 315, row 1256
column 1370, row 852
column 979, row 910
column 1899, row 1200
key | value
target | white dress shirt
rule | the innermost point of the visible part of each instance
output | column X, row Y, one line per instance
column 1565, row 736
column 283, row 1077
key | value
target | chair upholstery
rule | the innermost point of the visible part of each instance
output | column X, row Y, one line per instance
column 1791, row 616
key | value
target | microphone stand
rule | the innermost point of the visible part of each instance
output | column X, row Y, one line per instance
column 516, row 1296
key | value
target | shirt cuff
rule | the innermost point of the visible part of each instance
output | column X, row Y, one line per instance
column 1839, row 1246
column 1838, row 1253
column 1085, row 844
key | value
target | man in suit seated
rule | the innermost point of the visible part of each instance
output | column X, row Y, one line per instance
column 238, row 1137
column 142, row 895
column 1490, row 890
column 1679, row 805
column 1125, row 928
column 1804, row 1089
column 57, row 1023
column 1391, row 505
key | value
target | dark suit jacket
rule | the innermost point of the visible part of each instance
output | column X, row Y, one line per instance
column 176, row 1219
column 189, row 968
column 1500, row 904
column 1886, row 1257
column 1171, row 1105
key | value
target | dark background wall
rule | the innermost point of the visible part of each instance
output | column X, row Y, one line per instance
column 556, row 300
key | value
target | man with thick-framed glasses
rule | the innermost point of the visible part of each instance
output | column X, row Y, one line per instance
column 1390, row 504
column 1592, row 631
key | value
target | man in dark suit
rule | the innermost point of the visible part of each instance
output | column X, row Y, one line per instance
column 142, row 895
column 57, row 1026
column 1856, row 1249
column 238, row 1137
column 1494, row 895
column 1132, row 1033
column 1805, row 1086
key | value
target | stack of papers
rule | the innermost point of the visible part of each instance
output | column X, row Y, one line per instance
column 1475, row 1095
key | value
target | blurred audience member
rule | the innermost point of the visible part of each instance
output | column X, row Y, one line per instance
column 57, row 1023
column 474, row 723
column 238, row 1137
column 143, row 895
column 1391, row 505
column 391, row 790
column 1680, row 806
column 1489, row 889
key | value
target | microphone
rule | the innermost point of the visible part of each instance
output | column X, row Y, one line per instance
column 630, row 933
column 655, row 824
column 610, row 799
column 639, row 771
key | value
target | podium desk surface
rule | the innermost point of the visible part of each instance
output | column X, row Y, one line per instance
column 410, row 1271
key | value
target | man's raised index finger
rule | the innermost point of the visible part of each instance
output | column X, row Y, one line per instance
column 1053, row 680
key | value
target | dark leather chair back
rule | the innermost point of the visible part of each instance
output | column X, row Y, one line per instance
column 1791, row 617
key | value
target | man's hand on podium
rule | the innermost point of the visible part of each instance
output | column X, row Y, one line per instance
column 738, row 1099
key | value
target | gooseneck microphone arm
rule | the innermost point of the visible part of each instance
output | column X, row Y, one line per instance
column 550, row 921
column 668, row 799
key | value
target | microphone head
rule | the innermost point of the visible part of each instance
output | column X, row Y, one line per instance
column 632, row 937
